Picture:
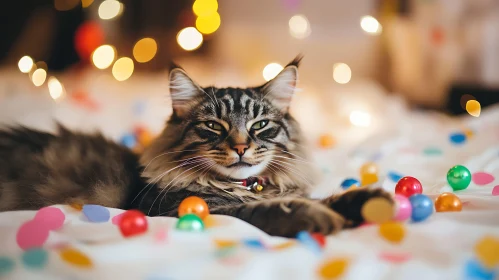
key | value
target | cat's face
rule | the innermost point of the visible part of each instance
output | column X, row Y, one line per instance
column 229, row 133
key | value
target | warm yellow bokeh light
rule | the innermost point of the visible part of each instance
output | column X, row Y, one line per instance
column 208, row 24
column 39, row 76
column 370, row 25
column 342, row 73
column 25, row 64
column 359, row 118
column 65, row 5
column 123, row 68
column 205, row 8
column 109, row 9
column 473, row 108
column 189, row 39
column 145, row 49
column 299, row 27
column 271, row 70
column 86, row 3
column 56, row 89
column 103, row 56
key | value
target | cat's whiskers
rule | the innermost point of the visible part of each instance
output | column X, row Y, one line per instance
column 167, row 153
column 291, row 169
column 294, row 159
column 295, row 155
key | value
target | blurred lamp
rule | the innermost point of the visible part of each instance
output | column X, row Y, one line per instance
column 341, row 73
column 370, row 25
column 56, row 89
column 208, row 24
column 123, row 68
column 189, row 39
column 271, row 70
column 145, row 50
column 205, row 8
column 39, row 76
column 25, row 64
column 103, row 56
column 359, row 118
column 110, row 9
column 86, row 3
column 299, row 27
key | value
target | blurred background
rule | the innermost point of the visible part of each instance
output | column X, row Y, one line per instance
column 102, row 64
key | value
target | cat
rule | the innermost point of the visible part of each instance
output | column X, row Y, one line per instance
column 238, row 149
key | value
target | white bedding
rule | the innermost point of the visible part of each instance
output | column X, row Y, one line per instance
column 437, row 248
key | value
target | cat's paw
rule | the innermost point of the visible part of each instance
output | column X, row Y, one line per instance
column 287, row 217
column 350, row 203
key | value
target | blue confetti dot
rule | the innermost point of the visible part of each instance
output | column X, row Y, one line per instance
column 347, row 183
column 139, row 107
column 475, row 271
column 308, row 241
column 35, row 258
column 96, row 213
column 432, row 151
column 128, row 140
column 6, row 265
column 457, row 138
column 394, row 176
column 253, row 243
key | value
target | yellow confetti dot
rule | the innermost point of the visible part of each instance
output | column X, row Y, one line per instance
column 221, row 243
column 326, row 141
column 285, row 245
column 210, row 221
column 75, row 258
column 76, row 206
column 487, row 251
column 468, row 133
column 473, row 108
column 333, row 269
column 368, row 179
column 377, row 210
column 392, row 231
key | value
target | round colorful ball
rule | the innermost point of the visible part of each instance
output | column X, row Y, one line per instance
column 190, row 222
column 459, row 177
column 349, row 182
column 408, row 186
column 448, row 202
column 193, row 205
column 422, row 207
column 404, row 208
column 133, row 222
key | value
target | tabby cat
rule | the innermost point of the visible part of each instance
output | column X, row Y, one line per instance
column 238, row 149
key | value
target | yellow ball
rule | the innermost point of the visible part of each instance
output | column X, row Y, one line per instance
column 369, row 168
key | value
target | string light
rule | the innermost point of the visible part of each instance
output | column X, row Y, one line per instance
column 208, row 24
column 39, row 76
column 189, row 39
column 370, row 25
column 359, row 118
column 123, row 69
column 205, row 8
column 86, row 3
column 271, row 70
column 25, row 64
column 110, row 9
column 103, row 56
column 56, row 89
column 145, row 50
column 342, row 73
column 299, row 27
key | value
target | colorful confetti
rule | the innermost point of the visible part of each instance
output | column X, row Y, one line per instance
column 35, row 258
column 75, row 257
column 392, row 231
column 394, row 176
column 32, row 234
column 116, row 219
column 128, row 140
column 253, row 243
column 333, row 269
column 349, row 182
column 308, row 241
column 432, row 151
column 284, row 245
column 222, row 243
column 6, row 265
column 326, row 141
column 377, row 210
column 96, row 213
column 475, row 271
column 51, row 217
column 487, row 251
column 495, row 190
column 457, row 138
column 161, row 235
column 320, row 239
column 396, row 258
column 482, row 178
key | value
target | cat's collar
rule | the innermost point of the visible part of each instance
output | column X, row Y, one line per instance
column 255, row 184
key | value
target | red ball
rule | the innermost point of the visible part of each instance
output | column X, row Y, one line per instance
column 133, row 222
column 408, row 186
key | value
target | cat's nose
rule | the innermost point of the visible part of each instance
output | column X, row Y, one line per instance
column 240, row 148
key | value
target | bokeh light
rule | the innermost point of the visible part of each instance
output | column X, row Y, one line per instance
column 123, row 69
column 370, row 25
column 56, row 89
column 145, row 50
column 65, row 5
column 299, row 27
column 205, row 8
column 39, row 76
column 103, row 56
column 25, row 64
column 86, row 3
column 473, row 108
column 360, row 118
column 208, row 24
column 342, row 73
column 110, row 9
column 88, row 37
column 189, row 39
column 271, row 70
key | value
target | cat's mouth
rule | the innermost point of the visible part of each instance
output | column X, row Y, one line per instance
column 240, row 164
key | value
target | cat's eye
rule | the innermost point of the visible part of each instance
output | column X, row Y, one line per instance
column 259, row 125
column 214, row 125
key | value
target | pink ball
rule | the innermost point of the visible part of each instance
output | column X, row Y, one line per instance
column 404, row 208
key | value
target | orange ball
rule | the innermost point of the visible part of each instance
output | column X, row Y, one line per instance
column 448, row 202
column 193, row 205
column 369, row 168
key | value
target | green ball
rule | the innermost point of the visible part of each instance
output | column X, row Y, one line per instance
column 190, row 222
column 459, row 177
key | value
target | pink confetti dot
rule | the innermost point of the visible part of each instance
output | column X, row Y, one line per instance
column 160, row 236
column 50, row 217
column 32, row 234
column 495, row 190
column 482, row 178
column 116, row 219
column 395, row 257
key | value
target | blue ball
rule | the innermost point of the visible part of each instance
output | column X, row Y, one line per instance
column 347, row 183
column 422, row 207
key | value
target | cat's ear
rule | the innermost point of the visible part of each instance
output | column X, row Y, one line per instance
column 280, row 89
column 183, row 90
